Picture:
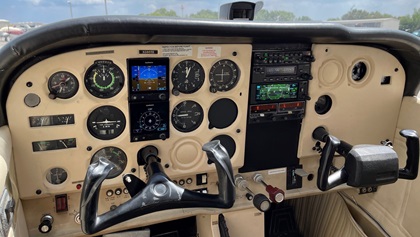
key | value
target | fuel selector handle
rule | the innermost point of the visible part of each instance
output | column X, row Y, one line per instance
column 159, row 193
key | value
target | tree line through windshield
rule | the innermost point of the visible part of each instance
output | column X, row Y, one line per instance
column 409, row 23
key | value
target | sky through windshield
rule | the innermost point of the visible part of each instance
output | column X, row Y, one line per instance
column 47, row 11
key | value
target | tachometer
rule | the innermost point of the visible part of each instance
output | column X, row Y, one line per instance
column 187, row 116
column 63, row 85
column 187, row 77
column 114, row 155
column 224, row 75
column 106, row 122
column 104, row 79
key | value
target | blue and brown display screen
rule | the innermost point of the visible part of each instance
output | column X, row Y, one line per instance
column 277, row 91
column 148, row 78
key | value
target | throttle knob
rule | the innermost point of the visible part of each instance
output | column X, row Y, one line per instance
column 46, row 224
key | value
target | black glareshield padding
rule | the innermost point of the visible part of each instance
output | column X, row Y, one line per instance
column 159, row 194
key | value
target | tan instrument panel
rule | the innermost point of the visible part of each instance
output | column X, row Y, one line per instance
column 53, row 145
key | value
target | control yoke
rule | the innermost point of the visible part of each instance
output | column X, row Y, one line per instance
column 159, row 193
column 365, row 165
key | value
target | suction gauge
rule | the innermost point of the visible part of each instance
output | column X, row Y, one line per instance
column 63, row 85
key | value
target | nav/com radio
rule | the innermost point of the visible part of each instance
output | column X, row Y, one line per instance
column 278, row 93
column 279, row 83
column 148, row 80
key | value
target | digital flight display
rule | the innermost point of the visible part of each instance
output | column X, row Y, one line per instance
column 148, row 78
column 278, row 91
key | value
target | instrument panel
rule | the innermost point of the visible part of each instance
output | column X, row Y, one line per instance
column 112, row 101
column 71, row 109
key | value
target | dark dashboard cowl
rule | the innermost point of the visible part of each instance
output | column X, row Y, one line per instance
column 96, row 31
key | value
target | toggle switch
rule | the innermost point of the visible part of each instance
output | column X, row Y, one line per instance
column 301, row 172
column 275, row 194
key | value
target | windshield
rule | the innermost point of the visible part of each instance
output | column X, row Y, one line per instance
column 20, row 16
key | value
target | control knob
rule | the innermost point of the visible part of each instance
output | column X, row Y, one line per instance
column 276, row 195
column 46, row 224
column 260, row 201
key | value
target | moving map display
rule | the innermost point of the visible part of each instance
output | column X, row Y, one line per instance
column 278, row 91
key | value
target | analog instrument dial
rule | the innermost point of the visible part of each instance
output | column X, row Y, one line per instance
column 187, row 116
column 106, row 122
column 115, row 156
column 224, row 75
column 56, row 176
column 63, row 85
column 104, row 79
column 187, row 77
